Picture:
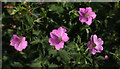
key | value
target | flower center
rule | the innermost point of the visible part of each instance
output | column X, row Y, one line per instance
column 87, row 15
column 59, row 39
column 20, row 39
column 93, row 45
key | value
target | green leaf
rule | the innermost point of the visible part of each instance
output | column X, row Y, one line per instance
column 16, row 64
column 29, row 19
column 100, row 58
column 64, row 55
column 53, row 65
column 36, row 32
column 35, row 41
column 53, row 52
column 36, row 64
column 58, row 9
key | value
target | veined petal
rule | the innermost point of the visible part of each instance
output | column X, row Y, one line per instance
column 61, row 31
column 92, row 14
column 83, row 19
column 82, row 10
column 89, row 44
column 89, row 21
column 81, row 13
column 99, row 48
column 53, row 41
column 88, row 9
column 60, row 45
column 95, row 39
column 53, row 36
column 65, row 37
column 92, row 51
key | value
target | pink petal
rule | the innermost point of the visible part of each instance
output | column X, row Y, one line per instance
column 14, row 40
column 65, row 37
column 92, row 14
column 53, row 35
column 95, row 39
column 17, row 45
column 88, row 9
column 23, row 43
column 92, row 38
column 53, row 41
column 92, row 51
column 89, row 44
column 15, row 36
column 61, row 31
column 81, row 13
column 99, row 48
column 82, row 10
column 89, row 21
column 12, row 43
column 82, row 19
column 56, row 34
column 60, row 45
column 100, row 41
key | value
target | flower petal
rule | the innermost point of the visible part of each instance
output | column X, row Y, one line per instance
column 14, row 40
column 89, row 44
column 53, row 41
column 95, row 39
column 83, row 19
column 88, row 9
column 92, row 51
column 61, row 31
column 65, row 37
column 99, row 48
column 53, row 35
column 82, row 10
column 60, row 45
column 81, row 13
column 92, row 14
column 100, row 41
column 89, row 21
column 23, row 43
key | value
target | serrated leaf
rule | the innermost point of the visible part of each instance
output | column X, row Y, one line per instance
column 64, row 55
column 53, row 52
column 35, row 41
column 36, row 32
column 29, row 19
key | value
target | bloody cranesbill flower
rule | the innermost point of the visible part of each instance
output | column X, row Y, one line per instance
column 95, row 45
column 86, row 15
column 58, row 37
column 19, row 43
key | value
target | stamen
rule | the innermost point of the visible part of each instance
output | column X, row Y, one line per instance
column 59, row 39
column 87, row 15
column 93, row 45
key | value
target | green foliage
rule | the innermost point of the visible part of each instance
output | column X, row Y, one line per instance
column 35, row 22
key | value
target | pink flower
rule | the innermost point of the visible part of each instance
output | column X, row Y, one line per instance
column 19, row 43
column 106, row 57
column 95, row 45
column 58, row 37
column 86, row 15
